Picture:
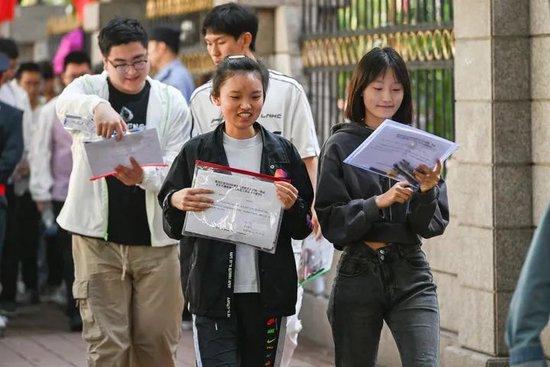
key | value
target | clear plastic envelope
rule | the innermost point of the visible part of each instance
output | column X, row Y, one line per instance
column 246, row 209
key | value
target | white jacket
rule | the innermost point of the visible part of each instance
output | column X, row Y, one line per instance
column 86, row 209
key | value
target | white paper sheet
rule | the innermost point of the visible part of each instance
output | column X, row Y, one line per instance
column 395, row 150
column 245, row 210
column 105, row 155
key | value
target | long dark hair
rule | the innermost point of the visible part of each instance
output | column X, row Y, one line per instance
column 374, row 63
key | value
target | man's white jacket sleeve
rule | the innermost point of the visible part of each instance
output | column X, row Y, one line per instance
column 78, row 99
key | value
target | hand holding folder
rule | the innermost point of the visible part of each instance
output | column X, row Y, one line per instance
column 105, row 156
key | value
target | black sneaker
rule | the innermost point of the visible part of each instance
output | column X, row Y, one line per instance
column 75, row 323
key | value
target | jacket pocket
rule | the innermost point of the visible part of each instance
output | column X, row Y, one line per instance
column 90, row 328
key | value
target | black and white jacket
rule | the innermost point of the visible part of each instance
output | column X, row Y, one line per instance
column 209, row 287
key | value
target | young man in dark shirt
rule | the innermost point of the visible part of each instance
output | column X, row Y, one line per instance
column 127, row 276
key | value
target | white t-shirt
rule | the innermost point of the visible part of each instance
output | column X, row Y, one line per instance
column 286, row 111
column 245, row 154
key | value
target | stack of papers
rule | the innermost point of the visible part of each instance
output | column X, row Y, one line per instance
column 105, row 155
column 395, row 150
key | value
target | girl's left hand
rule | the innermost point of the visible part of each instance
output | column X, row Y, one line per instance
column 428, row 178
column 286, row 193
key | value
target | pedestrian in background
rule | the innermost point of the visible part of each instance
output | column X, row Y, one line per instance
column 51, row 166
column 164, row 45
column 11, row 149
column 530, row 305
column 23, row 226
column 49, row 86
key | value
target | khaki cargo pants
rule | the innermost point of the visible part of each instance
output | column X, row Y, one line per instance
column 130, row 301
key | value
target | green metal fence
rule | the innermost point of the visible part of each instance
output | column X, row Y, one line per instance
column 337, row 33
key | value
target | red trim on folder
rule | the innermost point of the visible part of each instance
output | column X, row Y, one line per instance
column 241, row 171
column 93, row 178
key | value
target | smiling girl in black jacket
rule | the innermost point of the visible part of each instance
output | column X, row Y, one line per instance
column 238, row 295
column 383, row 275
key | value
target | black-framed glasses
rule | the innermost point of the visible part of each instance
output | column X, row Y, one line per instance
column 138, row 65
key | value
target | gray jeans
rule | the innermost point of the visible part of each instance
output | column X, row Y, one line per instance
column 393, row 284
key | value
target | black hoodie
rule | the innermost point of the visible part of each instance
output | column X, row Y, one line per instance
column 345, row 199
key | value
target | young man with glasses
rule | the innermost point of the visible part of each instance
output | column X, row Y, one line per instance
column 127, row 276
column 20, row 246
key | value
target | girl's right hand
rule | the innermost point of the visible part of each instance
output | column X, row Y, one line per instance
column 399, row 193
column 192, row 200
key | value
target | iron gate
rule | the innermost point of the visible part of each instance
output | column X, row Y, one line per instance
column 337, row 33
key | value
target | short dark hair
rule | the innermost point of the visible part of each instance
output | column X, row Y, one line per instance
column 170, row 36
column 9, row 47
column 233, row 65
column 374, row 63
column 31, row 67
column 46, row 69
column 76, row 57
column 232, row 19
column 120, row 31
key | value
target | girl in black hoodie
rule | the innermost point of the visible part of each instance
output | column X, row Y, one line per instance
column 383, row 275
